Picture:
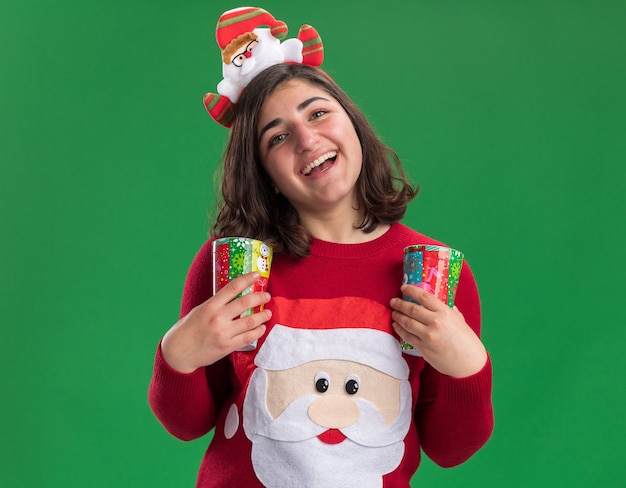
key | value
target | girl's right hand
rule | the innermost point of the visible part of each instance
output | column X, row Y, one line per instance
column 214, row 328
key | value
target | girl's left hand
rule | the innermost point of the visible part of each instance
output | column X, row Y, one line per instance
column 439, row 332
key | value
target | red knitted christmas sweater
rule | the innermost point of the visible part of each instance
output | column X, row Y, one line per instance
column 327, row 398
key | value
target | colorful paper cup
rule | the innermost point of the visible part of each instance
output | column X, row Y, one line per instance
column 436, row 269
column 234, row 256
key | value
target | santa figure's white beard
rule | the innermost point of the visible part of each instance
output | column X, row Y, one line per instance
column 286, row 451
column 266, row 53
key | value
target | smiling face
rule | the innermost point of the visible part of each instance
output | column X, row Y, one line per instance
column 310, row 149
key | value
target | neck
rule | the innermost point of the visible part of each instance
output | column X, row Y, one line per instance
column 340, row 230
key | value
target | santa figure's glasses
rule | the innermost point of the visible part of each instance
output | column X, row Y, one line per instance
column 238, row 59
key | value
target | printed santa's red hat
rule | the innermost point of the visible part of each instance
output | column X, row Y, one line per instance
column 346, row 328
column 238, row 21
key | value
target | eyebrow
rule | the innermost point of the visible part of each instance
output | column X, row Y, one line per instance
column 299, row 108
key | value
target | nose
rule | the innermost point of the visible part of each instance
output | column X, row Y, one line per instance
column 248, row 54
column 334, row 411
column 305, row 137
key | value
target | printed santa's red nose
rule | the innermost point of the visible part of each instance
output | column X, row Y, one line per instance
column 248, row 54
column 332, row 436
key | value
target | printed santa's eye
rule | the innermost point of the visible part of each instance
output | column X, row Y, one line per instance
column 322, row 382
column 352, row 384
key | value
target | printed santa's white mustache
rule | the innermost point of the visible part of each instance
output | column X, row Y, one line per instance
column 294, row 424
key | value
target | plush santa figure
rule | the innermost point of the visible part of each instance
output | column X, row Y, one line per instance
column 249, row 38
column 329, row 399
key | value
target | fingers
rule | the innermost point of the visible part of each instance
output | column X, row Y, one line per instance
column 414, row 321
column 234, row 300
column 220, row 325
column 406, row 326
column 236, row 286
column 247, row 323
column 423, row 297
column 246, row 320
column 406, row 336
column 439, row 332
column 250, row 328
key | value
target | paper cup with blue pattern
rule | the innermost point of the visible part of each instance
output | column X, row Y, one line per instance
column 436, row 269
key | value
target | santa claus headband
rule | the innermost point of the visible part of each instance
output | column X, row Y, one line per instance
column 250, row 41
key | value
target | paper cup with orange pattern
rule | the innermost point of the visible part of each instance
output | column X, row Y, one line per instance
column 234, row 256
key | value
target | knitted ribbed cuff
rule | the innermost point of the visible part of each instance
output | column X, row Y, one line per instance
column 472, row 390
column 174, row 381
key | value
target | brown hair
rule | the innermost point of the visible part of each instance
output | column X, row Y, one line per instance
column 249, row 204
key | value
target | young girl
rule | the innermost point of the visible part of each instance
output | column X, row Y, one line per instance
column 327, row 398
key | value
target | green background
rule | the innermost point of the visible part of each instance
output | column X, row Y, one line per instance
column 510, row 115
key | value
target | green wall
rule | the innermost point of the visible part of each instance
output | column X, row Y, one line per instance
column 510, row 115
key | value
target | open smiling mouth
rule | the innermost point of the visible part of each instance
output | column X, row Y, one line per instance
column 321, row 164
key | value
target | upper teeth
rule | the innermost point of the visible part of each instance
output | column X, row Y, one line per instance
column 318, row 161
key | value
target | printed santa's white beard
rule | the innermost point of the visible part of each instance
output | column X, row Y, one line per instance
column 286, row 451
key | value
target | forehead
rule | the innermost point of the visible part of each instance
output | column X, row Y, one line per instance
column 290, row 94
column 296, row 84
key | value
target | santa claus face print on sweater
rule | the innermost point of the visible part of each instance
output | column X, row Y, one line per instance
column 329, row 405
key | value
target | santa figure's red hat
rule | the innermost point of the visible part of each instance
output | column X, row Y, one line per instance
column 239, row 21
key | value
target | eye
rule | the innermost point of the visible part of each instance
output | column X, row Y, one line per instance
column 352, row 384
column 276, row 139
column 317, row 114
column 322, row 382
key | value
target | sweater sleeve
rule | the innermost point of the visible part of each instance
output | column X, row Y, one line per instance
column 454, row 416
column 182, row 403
column 187, row 404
